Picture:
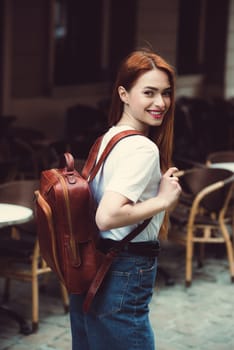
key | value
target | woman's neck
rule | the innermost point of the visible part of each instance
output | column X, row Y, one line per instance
column 128, row 120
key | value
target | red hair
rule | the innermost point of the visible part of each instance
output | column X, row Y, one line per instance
column 133, row 66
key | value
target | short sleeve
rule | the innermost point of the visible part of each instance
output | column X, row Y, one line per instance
column 131, row 166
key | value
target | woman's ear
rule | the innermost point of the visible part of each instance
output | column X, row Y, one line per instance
column 123, row 94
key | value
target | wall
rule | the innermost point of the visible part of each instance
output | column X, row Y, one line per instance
column 46, row 112
column 28, row 51
column 156, row 25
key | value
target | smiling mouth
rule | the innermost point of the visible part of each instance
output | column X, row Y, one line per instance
column 156, row 115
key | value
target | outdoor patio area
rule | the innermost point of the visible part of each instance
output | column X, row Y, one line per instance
column 200, row 317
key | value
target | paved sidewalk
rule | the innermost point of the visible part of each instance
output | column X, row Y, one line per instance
column 200, row 317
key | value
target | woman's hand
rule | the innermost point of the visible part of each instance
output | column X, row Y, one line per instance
column 115, row 210
column 169, row 189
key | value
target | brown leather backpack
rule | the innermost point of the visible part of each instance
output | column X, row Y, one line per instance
column 67, row 232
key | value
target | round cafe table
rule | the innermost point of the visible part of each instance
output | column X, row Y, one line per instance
column 223, row 165
column 10, row 215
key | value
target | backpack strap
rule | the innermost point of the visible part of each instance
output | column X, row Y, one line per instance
column 103, row 269
column 67, row 162
column 90, row 168
column 92, row 156
column 89, row 172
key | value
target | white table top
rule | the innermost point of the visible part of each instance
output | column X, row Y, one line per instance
column 223, row 165
column 11, row 214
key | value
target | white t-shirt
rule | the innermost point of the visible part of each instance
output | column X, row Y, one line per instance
column 133, row 170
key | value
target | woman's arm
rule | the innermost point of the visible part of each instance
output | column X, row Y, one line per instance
column 115, row 210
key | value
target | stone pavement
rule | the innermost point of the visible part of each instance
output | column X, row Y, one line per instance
column 200, row 317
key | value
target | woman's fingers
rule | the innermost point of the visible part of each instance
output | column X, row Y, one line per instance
column 170, row 171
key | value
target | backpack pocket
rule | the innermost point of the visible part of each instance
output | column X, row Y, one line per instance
column 46, row 234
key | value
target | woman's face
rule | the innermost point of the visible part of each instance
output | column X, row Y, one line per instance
column 148, row 100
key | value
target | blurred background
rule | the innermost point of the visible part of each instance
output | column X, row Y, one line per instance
column 59, row 59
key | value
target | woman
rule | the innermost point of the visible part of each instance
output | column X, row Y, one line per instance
column 129, row 189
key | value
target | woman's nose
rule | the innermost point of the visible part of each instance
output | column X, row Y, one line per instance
column 159, row 101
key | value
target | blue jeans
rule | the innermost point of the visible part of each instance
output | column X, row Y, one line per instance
column 119, row 315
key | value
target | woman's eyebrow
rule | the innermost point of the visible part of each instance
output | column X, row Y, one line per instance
column 157, row 89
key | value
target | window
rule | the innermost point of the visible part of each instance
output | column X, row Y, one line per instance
column 202, row 35
column 190, row 48
column 89, row 42
column 77, row 42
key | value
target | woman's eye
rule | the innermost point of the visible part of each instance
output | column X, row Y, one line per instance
column 148, row 93
column 167, row 93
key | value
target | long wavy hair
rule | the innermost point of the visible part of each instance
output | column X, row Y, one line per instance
column 132, row 67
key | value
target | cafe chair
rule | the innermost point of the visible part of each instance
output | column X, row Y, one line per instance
column 17, row 147
column 83, row 125
column 221, row 159
column 202, row 215
column 8, row 170
column 224, row 160
column 20, row 257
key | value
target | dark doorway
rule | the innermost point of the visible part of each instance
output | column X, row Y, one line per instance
column 1, row 54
